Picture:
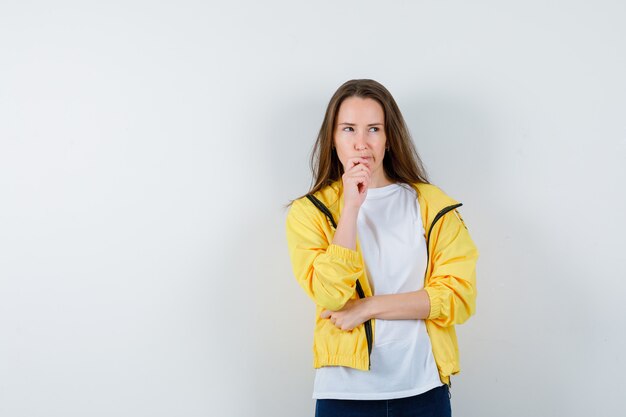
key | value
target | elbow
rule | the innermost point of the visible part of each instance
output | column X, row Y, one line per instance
column 329, row 288
column 333, row 303
column 466, row 308
column 462, row 317
column 332, row 295
column 449, row 308
column 452, row 320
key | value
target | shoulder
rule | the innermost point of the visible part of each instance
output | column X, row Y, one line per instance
column 434, row 201
column 329, row 196
column 433, row 195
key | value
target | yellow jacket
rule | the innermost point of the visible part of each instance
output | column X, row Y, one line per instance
column 331, row 275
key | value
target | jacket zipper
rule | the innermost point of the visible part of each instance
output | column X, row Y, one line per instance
column 436, row 219
column 368, row 328
column 368, row 324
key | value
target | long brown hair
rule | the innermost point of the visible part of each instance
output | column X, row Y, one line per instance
column 401, row 162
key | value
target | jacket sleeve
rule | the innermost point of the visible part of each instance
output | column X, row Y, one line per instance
column 327, row 272
column 452, row 284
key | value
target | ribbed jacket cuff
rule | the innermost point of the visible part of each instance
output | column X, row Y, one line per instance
column 435, row 304
column 346, row 254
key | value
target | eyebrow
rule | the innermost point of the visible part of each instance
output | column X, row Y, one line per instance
column 352, row 124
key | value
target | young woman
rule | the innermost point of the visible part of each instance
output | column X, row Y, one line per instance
column 388, row 261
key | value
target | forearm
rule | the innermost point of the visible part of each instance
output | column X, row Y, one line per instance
column 408, row 305
column 345, row 235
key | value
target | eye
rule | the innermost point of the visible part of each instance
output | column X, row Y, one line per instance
column 347, row 127
column 377, row 129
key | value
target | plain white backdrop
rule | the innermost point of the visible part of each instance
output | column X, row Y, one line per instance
column 147, row 150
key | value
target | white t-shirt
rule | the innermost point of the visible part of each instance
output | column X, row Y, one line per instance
column 393, row 244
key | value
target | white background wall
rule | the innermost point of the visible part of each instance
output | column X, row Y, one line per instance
column 147, row 148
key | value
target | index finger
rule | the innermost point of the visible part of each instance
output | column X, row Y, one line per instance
column 352, row 162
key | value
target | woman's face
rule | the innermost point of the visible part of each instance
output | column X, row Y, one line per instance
column 360, row 131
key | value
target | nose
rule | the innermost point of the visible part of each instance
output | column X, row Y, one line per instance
column 359, row 141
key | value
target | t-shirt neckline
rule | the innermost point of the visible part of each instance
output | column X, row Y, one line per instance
column 380, row 192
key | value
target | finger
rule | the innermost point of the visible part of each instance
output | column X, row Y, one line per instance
column 357, row 178
column 359, row 165
column 352, row 162
column 364, row 163
column 362, row 180
column 358, row 174
column 359, row 170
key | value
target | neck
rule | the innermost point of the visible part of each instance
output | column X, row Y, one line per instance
column 380, row 181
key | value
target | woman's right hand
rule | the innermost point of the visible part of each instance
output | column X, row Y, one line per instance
column 356, row 179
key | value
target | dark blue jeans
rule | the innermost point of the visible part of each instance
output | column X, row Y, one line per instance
column 433, row 403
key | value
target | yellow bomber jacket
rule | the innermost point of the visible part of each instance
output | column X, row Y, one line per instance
column 331, row 275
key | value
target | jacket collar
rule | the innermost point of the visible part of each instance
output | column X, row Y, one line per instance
column 431, row 198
